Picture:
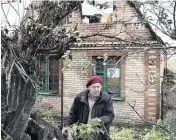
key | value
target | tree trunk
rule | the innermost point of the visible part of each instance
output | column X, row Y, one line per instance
column 22, row 97
column 39, row 129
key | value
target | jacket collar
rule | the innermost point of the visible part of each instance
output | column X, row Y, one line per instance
column 84, row 97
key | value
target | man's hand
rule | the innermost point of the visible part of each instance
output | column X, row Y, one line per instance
column 65, row 131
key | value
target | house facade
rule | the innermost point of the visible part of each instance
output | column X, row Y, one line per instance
column 120, row 49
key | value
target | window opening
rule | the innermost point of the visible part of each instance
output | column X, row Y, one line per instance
column 110, row 72
column 49, row 74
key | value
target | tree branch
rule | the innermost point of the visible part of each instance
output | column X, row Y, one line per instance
column 174, row 15
column 9, row 137
column 151, row 123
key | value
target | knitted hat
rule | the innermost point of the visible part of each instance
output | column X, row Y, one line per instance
column 93, row 80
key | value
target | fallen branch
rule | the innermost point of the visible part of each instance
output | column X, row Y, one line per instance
column 148, row 122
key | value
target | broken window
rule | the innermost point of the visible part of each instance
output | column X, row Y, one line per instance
column 97, row 11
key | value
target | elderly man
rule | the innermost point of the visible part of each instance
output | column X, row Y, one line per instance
column 92, row 103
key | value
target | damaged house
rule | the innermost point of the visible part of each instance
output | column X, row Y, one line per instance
column 117, row 48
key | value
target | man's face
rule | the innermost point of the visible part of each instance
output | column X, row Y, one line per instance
column 94, row 89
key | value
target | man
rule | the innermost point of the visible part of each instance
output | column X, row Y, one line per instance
column 91, row 103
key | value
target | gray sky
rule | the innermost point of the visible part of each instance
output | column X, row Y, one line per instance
column 14, row 12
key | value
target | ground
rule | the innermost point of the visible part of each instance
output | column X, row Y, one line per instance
column 143, row 132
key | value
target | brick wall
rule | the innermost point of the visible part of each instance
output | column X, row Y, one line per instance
column 74, row 78
column 120, row 31
column 54, row 101
column 134, row 86
column 123, row 11
column 152, row 81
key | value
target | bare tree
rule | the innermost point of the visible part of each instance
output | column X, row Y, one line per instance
column 19, row 53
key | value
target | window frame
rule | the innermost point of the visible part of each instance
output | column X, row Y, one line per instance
column 105, row 77
column 46, row 90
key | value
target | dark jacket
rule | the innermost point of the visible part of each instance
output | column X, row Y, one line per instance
column 102, row 109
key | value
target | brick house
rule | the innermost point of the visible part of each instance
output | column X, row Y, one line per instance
column 131, row 72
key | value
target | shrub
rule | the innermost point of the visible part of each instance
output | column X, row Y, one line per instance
column 155, row 134
column 170, row 121
column 124, row 134
column 48, row 117
column 90, row 131
column 139, row 133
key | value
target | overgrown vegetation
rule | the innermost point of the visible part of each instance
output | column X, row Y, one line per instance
column 91, row 131
column 48, row 117
column 94, row 131
column 142, row 133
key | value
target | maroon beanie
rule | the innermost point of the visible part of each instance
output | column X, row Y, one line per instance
column 93, row 80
